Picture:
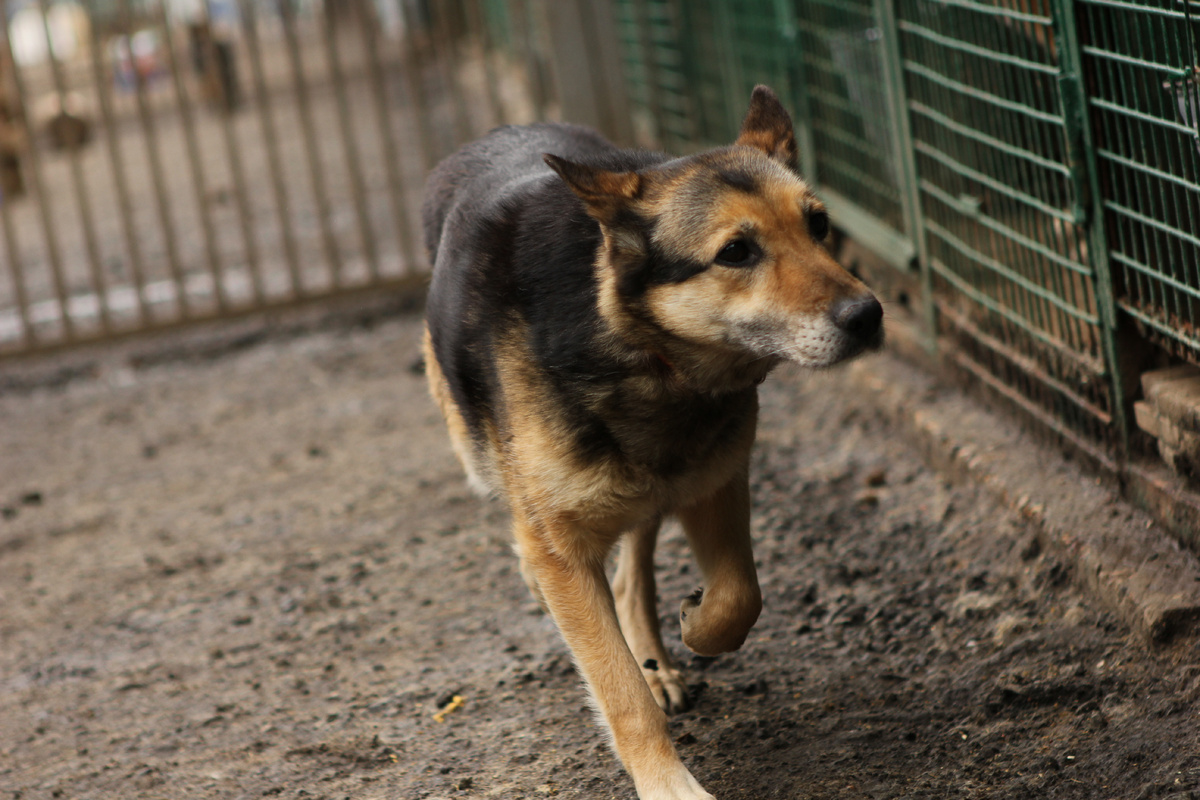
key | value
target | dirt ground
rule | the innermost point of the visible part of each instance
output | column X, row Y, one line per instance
column 262, row 575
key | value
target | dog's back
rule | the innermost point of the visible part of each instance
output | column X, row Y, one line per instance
column 511, row 245
column 492, row 177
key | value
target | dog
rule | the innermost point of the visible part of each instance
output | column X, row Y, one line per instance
column 597, row 324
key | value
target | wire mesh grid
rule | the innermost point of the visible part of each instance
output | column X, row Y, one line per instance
column 1143, row 67
column 653, row 45
column 691, row 67
column 840, row 42
column 1012, row 278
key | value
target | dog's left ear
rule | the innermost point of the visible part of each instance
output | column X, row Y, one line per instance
column 603, row 192
column 768, row 127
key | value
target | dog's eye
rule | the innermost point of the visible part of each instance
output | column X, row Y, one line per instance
column 738, row 253
column 818, row 225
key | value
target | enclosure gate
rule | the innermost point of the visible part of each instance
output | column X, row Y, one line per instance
column 158, row 170
column 1036, row 163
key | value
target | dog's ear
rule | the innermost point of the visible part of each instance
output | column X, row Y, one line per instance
column 603, row 193
column 768, row 127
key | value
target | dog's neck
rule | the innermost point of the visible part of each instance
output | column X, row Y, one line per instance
column 708, row 372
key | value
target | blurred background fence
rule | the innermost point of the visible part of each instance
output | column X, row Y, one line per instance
column 167, row 162
column 1027, row 171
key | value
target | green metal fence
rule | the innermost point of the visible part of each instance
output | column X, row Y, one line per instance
column 1003, row 206
column 1041, row 157
column 844, row 94
column 1144, row 78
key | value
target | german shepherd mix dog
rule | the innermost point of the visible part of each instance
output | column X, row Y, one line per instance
column 598, row 323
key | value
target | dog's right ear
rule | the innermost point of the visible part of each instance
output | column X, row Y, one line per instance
column 603, row 193
column 768, row 127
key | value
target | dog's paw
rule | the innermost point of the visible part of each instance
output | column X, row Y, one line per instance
column 714, row 624
column 677, row 784
column 667, row 685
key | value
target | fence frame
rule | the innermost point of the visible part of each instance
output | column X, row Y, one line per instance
column 1075, row 105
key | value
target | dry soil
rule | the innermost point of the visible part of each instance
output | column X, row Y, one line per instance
column 260, row 574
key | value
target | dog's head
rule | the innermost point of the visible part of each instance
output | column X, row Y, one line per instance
column 722, row 252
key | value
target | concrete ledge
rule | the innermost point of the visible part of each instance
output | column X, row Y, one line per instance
column 1119, row 553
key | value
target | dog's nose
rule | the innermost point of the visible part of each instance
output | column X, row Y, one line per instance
column 859, row 316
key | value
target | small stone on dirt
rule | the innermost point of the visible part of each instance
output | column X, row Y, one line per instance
column 876, row 477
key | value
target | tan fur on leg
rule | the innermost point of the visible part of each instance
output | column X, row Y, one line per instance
column 577, row 595
column 636, row 599
column 718, row 619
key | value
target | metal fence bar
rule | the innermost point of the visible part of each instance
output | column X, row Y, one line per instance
column 238, row 174
column 316, row 175
column 478, row 31
column 526, row 27
column 975, row 50
column 391, row 160
column 178, row 284
column 358, row 190
column 649, row 61
column 442, row 39
column 270, row 142
column 415, row 83
column 925, row 71
column 26, row 331
column 80, row 191
column 120, row 183
column 58, row 280
column 198, row 181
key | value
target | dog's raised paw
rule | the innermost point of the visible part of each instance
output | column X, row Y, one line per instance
column 716, row 622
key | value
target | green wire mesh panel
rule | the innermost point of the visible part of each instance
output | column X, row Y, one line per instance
column 1142, row 63
column 1011, row 276
column 753, row 50
column 692, row 65
column 840, row 43
column 654, row 67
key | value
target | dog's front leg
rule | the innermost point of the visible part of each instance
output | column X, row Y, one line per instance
column 717, row 618
column 576, row 592
column 636, row 598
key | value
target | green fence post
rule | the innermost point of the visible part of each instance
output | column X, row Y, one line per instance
column 796, row 91
column 905, row 156
column 1090, row 211
column 649, row 56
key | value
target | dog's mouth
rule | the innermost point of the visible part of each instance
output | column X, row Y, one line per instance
column 870, row 345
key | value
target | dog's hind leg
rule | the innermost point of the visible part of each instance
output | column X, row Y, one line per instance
column 576, row 590
column 636, row 600
column 717, row 618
